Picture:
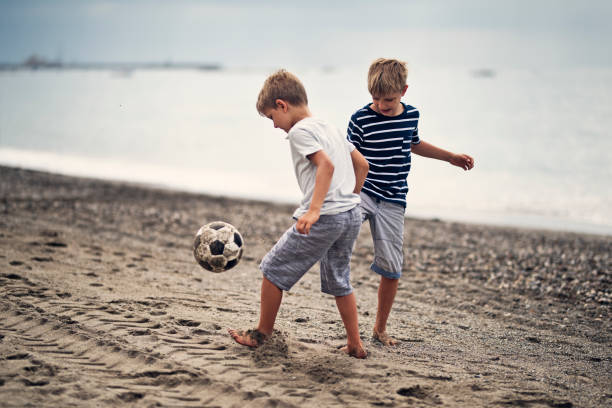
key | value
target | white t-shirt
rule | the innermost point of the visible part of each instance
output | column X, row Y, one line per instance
column 308, row 136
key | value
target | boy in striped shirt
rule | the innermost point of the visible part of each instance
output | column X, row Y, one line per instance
column 386, row 132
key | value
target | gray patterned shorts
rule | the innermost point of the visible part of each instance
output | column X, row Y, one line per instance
column 387, row 227
column 330, row 241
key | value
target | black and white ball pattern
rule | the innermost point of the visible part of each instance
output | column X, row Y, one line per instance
column 218, row 246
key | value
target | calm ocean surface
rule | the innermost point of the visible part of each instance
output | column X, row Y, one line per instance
column 540, row 139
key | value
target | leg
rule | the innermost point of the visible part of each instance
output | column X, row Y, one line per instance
column 386, row 295
column 282, row 267
column 347, row 306
column 335, row 278
column 388, row 234
column 271, row 298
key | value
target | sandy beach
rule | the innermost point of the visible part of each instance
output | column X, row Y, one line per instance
column 102, row 304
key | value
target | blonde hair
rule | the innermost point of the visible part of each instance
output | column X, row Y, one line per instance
column 281, row 85
column 387, row 76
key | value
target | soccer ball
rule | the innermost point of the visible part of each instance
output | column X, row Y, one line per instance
column 218, row 246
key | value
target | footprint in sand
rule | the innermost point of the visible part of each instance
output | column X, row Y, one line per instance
column 56, row 244
column 187, row 322
column 421, row 393
column 18, row 356
column 42, row 259
column 30, row 383
column 140, row 332
column 130, row 396
column 157, row 313
column 377, row 366
column 200, row 332
column 49, row 234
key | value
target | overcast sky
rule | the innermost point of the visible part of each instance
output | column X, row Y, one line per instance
column 477, row 33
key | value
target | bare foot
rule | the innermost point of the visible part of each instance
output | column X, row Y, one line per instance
column 384, row 338
column 358, row 352
column 250, row 338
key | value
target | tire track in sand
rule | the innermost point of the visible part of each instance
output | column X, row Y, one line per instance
column 77, row 349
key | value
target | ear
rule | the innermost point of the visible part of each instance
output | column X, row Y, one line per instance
column 282, row 105
column 405, row 89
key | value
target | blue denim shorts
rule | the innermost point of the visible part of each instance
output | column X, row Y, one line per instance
column 330, row 241
column 387, row 227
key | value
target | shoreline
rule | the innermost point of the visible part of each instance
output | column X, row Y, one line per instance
column 101, row 170
column 102, row 304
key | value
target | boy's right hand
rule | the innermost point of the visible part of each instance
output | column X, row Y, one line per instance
column 304, row 223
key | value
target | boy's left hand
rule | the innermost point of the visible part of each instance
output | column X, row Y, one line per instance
column 462, row 160
column 304, row 223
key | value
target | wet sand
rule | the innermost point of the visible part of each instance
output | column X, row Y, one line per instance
column 102, row 304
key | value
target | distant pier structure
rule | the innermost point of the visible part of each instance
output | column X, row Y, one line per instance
column 35, row 62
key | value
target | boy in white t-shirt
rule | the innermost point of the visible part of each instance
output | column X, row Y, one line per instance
column 330, row 173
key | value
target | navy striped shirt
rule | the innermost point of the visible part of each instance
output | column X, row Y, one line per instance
column 385, row 142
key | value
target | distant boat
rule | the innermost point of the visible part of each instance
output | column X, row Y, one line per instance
column 484, row 73
column 36, row 61
column 122, row 72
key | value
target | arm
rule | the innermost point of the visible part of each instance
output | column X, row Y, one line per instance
column 428, row 150
column 325, row 171
column 361, row 168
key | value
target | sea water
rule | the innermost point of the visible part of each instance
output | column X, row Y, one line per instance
column 540, row 139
